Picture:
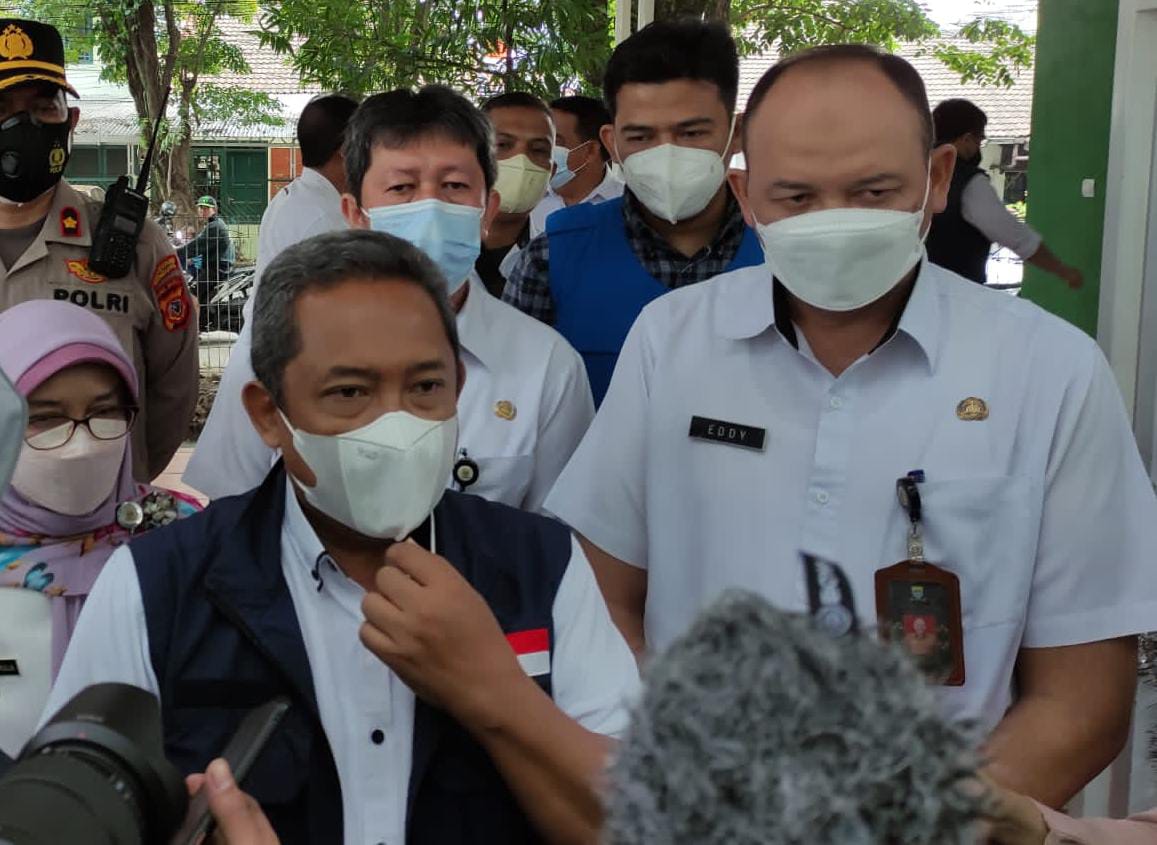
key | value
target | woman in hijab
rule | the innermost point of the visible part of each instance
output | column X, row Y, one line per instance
column 72, row 499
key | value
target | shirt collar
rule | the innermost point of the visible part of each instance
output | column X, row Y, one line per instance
column 296, row 527
column 747, row 308
column 607, row 189
column 476, row 330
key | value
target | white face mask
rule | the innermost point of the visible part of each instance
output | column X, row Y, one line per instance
column 521, row 184
column 383, row 479
column 842, row 259
column 73, row 480
column 674, row 182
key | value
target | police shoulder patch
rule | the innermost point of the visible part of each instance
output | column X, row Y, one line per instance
column 171, row 293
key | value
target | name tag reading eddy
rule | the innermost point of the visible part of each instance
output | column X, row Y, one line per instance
column 733, row 434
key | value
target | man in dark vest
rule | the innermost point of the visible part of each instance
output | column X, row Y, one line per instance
column 962, row 236
column 457, row 687
column 671, row 89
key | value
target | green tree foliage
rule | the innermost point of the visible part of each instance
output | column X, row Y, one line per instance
column 548, row 46
column 149, row 45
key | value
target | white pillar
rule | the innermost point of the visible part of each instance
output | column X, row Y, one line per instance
column 622, row 20
column 646, row 12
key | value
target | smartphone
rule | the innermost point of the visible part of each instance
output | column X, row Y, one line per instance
column 241, row 753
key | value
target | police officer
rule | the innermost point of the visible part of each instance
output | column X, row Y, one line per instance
column 46, row 231
column 781, row 409
column 209, row 257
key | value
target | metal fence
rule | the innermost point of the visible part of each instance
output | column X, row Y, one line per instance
column 220, row 296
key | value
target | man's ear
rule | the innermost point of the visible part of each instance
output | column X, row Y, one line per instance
column 351, row 210
column 461, row 378
column 607, row 136
column 737, row 179
column 73, row 117
column 943, row 162
column 490, row 211
column 264, row 415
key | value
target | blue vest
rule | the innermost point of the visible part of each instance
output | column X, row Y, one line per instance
column 224, row 637
column 599, row 286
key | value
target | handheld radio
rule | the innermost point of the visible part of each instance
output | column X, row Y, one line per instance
column 114, row 241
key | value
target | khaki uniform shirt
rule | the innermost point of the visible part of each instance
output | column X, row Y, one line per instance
column 150, row 310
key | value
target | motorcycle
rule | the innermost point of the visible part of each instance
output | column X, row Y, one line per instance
column 228, row 301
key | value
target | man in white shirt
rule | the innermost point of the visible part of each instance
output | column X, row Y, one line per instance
column 228, row 449
column 526, row 402
column 454, row 671
column 778, row 409
column 974, row 219
column 581, row 172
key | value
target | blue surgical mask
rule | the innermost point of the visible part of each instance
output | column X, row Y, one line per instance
column 563, row 175
column 450, row 234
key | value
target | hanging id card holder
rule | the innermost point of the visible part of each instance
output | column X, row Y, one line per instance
column 918, row 603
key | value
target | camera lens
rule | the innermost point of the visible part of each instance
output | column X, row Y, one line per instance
column 96, row 773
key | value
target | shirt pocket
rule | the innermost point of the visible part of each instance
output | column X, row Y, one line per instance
column 502, row 478
column 984, row 530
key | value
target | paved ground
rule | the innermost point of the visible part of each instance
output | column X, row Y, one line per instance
column 171, row 477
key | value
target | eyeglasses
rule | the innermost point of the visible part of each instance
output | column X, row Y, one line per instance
column 44, row 433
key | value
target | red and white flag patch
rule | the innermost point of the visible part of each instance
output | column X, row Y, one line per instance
column 532, row 649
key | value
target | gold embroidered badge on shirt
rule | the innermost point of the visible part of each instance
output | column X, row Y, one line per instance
column 972, row 409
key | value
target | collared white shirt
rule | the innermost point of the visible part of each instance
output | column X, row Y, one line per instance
column 366, row 710
column 610, row 188
column 1043, row 510
column 981, row 207
column 524, row 408
column 309, row 205
column 229, row 447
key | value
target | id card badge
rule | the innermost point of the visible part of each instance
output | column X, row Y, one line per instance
column 918, row 603
column 918, row 607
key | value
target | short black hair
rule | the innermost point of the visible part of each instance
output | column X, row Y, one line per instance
column 396, row 118
column 321, row 127
column 956, row 118
column 905, row 77
column 517, row 100
column 323, row 262
column 591, row 114
column 664, row 51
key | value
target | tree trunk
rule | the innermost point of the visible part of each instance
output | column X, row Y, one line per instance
column 719, row 10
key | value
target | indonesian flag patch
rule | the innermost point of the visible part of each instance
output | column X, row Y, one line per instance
column 533, row 650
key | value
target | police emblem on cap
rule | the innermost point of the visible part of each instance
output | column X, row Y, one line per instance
column 972, row 409
column 15, row 43
column 505, row 409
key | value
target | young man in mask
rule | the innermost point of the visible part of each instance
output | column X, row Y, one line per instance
column 975, row 218
column 580, row 159
column 524, row 146
column 671, row 89
column 781, row 409
column 46, row 231
column 420, row 165
column 453, row 669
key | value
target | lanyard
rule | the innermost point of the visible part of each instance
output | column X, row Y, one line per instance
column 908, row 492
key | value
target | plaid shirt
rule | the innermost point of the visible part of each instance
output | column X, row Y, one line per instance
column 528, row 288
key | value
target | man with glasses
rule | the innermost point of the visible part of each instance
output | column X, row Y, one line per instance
column 962, row 235
column 46, row 234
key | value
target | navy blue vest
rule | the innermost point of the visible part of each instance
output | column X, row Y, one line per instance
column 224, row 637
column 953, row 242
column 599, row 286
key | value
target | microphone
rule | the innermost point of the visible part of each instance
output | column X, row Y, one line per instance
column 316, row 571
column 758, row 726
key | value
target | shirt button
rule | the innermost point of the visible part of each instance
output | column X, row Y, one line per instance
column 377, row 737
column 822, row 497
column 835, row 403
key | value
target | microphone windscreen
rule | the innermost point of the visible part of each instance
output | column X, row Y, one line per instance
column 757, row 727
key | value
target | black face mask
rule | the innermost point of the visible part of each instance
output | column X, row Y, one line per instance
column 32, row 156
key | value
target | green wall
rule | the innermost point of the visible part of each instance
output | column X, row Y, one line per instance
column 1073, row 92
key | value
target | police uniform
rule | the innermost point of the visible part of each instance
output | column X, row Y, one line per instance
column 724, row 449
column 150, row 309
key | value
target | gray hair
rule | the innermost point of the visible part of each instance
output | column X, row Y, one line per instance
column 323, row 262
column 756, row 727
